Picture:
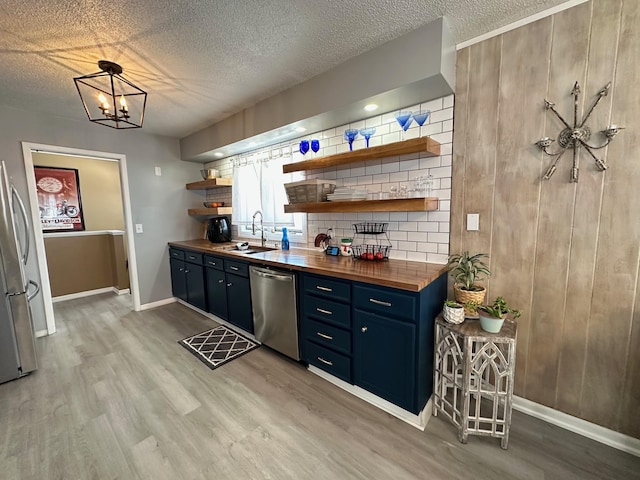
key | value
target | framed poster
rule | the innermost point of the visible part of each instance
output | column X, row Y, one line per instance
column 59, row 199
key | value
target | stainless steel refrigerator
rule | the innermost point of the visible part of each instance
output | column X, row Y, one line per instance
column 17, row 343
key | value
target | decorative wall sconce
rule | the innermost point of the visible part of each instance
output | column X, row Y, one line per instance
column 576, row 136
column 110, row 99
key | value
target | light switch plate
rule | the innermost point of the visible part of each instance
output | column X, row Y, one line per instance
column 473, row 221
column 158, row 171
column 139, row 228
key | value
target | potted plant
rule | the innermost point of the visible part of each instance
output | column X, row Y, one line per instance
column 492, row 316
column 453, row 312
column 467, row 270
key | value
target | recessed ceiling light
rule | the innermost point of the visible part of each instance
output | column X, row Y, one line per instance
column 252, row 144
column 371, row 107
column 300, row 129
column 219, row 154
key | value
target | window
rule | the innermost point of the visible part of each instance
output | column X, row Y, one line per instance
column 258, row 184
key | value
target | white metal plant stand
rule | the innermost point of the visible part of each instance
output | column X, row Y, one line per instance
column 473, row 378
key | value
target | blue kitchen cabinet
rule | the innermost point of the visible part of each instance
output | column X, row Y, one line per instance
column 239, row 301
column 217, row 293
column 187, row 277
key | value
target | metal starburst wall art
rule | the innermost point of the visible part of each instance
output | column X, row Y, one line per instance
column 576, row 136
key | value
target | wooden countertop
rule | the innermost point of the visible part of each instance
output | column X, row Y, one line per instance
column 412, row 276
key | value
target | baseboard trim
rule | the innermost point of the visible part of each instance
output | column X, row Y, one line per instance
column 587, row 429
column 124, row 291
column 88, row 293
column 41, row 333
column 159, row 303
column 418, row 421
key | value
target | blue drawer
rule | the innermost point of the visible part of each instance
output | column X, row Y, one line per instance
column 237, row 268
column 177, row 254
column 328, row 311
column 331, row 362
column 193, row 257
column 390, row 303
column 213, row 262
column 328, row 336
column 326, row 287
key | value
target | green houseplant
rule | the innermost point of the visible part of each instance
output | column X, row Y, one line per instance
column 492, row 316
column 467, row 270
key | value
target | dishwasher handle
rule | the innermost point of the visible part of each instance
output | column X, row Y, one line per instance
column 284, row 277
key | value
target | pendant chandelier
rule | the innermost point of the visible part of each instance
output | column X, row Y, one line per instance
column 110, row 99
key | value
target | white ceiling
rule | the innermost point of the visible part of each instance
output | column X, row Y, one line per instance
column 201, row 61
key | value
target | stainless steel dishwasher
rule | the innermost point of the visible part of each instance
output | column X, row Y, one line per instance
column 275, row 321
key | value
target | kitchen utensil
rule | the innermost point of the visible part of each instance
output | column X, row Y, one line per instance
column 209, row 173
column 213, row 204
column 242, row 245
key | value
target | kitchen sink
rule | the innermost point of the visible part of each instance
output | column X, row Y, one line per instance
column 252, row 249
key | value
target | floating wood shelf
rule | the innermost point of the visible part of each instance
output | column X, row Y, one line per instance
column 427, row 204
column 214, row 183
column 424, row 145
column 210, row 211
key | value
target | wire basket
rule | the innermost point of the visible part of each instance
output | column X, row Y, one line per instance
column 370, row 228
column 307, row 191
column 370, row 252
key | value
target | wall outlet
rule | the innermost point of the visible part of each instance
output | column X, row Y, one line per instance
column 158, row 171
column 473, row 221
column 139, row 228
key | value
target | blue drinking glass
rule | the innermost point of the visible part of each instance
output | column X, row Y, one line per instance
column 404, row 120
column 421, row 116
column 367, row 133
column 304, row 146
column 315, row 145
column 350, row 135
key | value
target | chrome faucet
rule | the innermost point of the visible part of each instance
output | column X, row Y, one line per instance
column 253, row 227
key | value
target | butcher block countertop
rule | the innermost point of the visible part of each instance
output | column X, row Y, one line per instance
column 412, row 276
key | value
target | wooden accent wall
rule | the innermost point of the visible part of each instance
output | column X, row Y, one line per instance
column 88, row 262
column 567, row 254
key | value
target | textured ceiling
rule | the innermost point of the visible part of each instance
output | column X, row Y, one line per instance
column 202, row 61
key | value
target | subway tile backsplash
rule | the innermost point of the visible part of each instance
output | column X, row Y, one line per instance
column 416, row 236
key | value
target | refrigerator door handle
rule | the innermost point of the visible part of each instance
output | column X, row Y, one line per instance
column 27, row 228
column 31, row 295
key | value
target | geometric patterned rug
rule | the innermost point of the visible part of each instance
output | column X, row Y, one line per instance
column 217, row 346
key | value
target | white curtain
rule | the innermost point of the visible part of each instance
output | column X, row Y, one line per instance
column 259, row 185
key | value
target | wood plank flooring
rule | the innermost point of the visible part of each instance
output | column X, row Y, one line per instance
column 117, row 398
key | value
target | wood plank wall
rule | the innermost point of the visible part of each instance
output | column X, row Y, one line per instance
column 566, row 254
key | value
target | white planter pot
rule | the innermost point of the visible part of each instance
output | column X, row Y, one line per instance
column 453, row 315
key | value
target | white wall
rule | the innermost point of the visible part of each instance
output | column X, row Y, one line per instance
column 158, row 203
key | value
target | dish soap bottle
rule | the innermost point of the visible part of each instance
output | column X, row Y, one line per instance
column 285, row 239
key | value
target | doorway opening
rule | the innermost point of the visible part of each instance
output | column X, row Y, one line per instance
column 109, row 228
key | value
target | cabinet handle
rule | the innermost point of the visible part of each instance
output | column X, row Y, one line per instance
column 191, row 257
column 234, row 268
column 324, row 335
column 364, row 329
column 326, row 362
column 380, row 302
column 181, row 269
column 213, row 264
column 229, row 284
column 220, row 281
column 324, row 289
column 186, row 271
column 322, row 310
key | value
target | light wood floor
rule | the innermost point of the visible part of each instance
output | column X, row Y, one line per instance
column 117, row 398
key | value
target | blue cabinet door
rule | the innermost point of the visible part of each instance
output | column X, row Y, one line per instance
column 239, row 302
column 217, row 293
column 384, row 358
column 178, row 279
column 196, row 294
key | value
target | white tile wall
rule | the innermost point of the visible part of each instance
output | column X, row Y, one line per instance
column 417, row 236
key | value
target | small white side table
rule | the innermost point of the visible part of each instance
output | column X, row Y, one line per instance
column 473, row 378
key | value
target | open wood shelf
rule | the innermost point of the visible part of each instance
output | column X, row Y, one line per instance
column 424, row 145
column 426, row 204
column 214, row 183
column 210, row 211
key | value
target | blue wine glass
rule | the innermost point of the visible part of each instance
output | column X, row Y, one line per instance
column 367, row 133
column 315, row 146
column 350, row 135
column 421, row 116
column 404, row 119
column 304, row 146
